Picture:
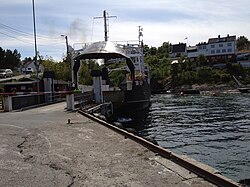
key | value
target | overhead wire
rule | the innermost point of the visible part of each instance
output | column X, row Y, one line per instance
column 15, row 38
column 25, row 33
column 30, row 40
column 25, row 36
column 13, row 29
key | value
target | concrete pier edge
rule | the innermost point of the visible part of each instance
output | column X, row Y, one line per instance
column 202, row 170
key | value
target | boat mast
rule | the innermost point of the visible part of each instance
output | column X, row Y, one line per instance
column 105, row 26
column 105, row 17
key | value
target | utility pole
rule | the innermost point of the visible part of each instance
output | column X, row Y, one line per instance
column 36, row 62
column 105, row 17
column 34, row 24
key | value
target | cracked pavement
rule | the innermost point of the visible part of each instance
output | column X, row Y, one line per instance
column 39, row 148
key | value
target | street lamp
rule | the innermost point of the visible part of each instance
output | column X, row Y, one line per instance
column 69, row 58
column 67, row 44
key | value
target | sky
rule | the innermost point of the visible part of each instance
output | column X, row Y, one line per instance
column 162, row 21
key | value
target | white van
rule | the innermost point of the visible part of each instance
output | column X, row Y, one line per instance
column 6, row 73
column 29, row 70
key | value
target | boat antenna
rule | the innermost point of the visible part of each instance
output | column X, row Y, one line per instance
column 105, row 17
column 140, row 35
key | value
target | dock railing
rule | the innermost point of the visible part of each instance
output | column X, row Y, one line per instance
column 23, row 100
column 1, row 103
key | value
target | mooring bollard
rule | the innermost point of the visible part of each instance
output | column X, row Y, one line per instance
column 7, row 103
column 70, row 101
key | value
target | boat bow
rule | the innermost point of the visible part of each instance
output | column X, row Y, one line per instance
column 104, row 50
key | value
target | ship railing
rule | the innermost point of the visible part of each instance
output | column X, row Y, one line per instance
column 81, row 46
column 103, row 109
column 84, row 100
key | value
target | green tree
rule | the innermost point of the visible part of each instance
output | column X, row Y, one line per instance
column 9, row 59
column 85, row 71
column 204, row 76
column 49, row 65
column 242, row 43
column 166, row 67
column 62, row 69
column 201, row 60
column 189, row 64
column 153, row 51
column 117, row 77
column 153, row 61
column 2, row 54
column 225, row 77
column 163, row 50
column 146, row 49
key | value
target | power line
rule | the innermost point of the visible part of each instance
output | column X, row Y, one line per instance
column 15, row 38
column 26, row 37
column 30, row 40
column 16, row 34
column 14, row 30
column 25, row 34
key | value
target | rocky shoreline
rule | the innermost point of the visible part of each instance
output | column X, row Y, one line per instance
column 217, row 89
column 203, row 89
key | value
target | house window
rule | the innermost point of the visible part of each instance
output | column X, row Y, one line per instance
column 212, row 46
column 224, row 50
column 200, row 47
column 220, row 45
column 217, row 51
column 204, row 47
column 229, row 50
column 229, row 44
column 212, row 51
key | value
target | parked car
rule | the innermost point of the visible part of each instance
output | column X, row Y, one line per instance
column 29, row 70
column 5, row 73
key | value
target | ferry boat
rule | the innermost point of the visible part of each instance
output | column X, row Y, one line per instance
column 132, row 96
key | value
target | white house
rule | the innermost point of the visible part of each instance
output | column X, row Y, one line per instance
column 216, row 49
column 29, row 67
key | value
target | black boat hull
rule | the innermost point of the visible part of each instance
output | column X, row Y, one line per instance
column 132, row 109
column 135, row 103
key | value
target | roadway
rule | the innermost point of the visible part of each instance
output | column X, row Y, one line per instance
column 14, row 77
column 39, row 147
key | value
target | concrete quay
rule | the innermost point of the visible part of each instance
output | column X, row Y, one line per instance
column 39, row 148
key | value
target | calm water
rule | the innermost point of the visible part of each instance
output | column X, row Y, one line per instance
column 213, row 130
